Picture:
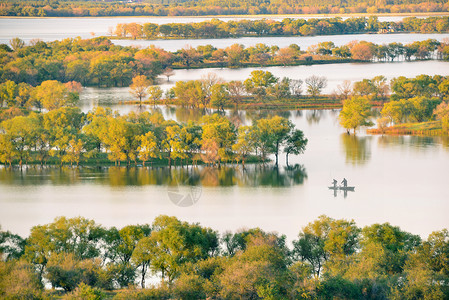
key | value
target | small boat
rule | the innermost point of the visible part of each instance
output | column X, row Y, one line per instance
column 342, row 188
column 347, row 188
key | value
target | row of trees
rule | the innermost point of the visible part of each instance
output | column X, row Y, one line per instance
column 262, row 27
column 98, row 62
column 330, row 258
column 212, row 7
column 212, row 91
column 71, row 136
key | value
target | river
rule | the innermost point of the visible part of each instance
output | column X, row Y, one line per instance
column 401, row 180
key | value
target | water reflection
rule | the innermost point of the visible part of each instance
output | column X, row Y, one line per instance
column 314, row 116
column 252, row 175
column 417, row 143
column 357, row 149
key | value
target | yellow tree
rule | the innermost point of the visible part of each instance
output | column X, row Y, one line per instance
column 174, row 144
column 148, row 147
column 139, row 87
column 74, row 152
column 356, row 112
column 51, row 94
column 155, row 93
column 245, row 143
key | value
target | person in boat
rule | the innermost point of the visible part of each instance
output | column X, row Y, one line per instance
column 344, row 182
column 334, row 182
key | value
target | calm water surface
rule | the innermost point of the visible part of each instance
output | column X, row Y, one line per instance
column 401, row 180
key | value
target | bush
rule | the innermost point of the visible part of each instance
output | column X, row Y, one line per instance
column 85, row 292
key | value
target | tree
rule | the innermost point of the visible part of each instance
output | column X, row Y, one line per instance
column 8, row 93
column 236, row 91
column 155, row 93
column 295, row 143
column 220, row 95
column 271, row 135
column 362, row 51
column 356, row 112
column 395, row 243
column 258, row 272
column 315, row 85
column 148, row 147
column 17, row 44
column 442, row 113
column 78, row 236
column 176, row 243
column 286, row 56
column 139, row 87
column 19, row 137
column 259, row 81
column 326, row 239
column 245, row 143
column 51, row 94
column 143, row 255
column 168, row 73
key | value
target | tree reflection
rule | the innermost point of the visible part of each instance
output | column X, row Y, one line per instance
column 251, row 175
column 314, row 116
column 416, row 143
column 357, row 149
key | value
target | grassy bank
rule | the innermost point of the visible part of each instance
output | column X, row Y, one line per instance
column 432, row 128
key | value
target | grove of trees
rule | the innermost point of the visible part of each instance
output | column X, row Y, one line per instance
column 329, row 258
column 287, row 27
column 98, row 62
column 412, row 100
column 66, row 135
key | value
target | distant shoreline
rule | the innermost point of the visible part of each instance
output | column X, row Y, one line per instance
column 431, row 14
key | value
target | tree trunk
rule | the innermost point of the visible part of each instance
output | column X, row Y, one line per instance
column 286, row 158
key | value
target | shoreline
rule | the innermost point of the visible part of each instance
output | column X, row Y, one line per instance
column 266, row 16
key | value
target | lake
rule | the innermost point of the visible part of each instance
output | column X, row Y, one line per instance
column 401, row 180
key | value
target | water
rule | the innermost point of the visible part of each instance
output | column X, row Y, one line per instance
column 401, row 180
column 335, row 73
column 50, row 29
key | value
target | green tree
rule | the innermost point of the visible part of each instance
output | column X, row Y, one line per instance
column 295, row 144
column 259, row 81
column 324, row 240
column 355, row 113
column 272, row 134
